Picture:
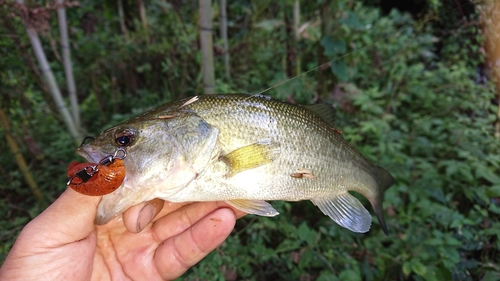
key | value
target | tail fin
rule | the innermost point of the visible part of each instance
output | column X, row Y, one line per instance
column 384, row 181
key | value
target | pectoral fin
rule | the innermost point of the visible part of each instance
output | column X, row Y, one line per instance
column 345, row 210
column 255, row 207
column 249, row 157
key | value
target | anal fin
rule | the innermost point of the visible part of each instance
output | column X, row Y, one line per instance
column 255, row 207
column 345, row 210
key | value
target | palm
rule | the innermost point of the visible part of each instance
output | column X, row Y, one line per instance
column 63, row 243
column 160, row 251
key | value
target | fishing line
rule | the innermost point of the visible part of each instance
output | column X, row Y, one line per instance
column 419, row 26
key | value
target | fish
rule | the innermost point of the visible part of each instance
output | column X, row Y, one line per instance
column 245, row 150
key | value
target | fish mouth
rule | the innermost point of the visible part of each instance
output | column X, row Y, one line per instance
column 90, row 153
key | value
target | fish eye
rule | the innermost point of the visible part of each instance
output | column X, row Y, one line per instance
column 124, row 137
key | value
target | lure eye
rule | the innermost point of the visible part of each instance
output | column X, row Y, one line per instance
column 124, row 138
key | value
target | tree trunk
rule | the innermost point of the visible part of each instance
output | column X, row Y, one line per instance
column 4, row 122
column 223, row 34
column 144, row 19
column 296, row 25
column 490, row 17
column 289, row 42
column 68, row 69
column 121, row 14
column 51, row 80
column 207, row 46
column 324, row 71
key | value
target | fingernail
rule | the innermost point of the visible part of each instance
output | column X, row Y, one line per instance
column 145, row 216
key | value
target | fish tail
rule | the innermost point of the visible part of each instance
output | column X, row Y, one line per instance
column 384, row 181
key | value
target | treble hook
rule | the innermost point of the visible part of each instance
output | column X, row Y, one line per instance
column 84, row 174
column 88, row 172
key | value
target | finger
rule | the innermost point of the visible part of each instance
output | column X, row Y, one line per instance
column 69, row 219
column 179, row 253
column 178, row 221
column 48, row 240
column 136, row 218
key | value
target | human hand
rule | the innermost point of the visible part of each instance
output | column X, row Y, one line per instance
column 63, row 243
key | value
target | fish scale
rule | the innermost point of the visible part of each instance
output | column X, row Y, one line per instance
column 243, row 149
column 288, row 132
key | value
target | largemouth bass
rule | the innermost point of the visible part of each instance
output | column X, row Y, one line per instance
column 242, row 149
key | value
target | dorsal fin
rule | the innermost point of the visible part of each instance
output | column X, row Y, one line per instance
column 324, row 111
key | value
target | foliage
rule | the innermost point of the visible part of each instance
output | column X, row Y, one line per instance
column 408, row 94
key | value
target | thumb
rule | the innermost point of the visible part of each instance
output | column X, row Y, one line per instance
column 70, row 218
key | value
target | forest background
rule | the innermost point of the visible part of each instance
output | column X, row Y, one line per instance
column 413, row 86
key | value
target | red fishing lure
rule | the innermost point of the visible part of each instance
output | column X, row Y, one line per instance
column 96, row 179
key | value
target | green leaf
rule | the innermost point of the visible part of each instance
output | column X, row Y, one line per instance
column 494, row 209
column 434, row 274
column 269, row 25
column 407, row 268
column 493, row 191
column 339, row 68
column 352, row 21
column 332, row 46
column 306, row 234
column 491, row 276
column 306, row 258
column 349, row 275
column 418, row 268
column 327, row 276
column 484, row 172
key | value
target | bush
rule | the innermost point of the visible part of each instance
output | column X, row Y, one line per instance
column 408, row 95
